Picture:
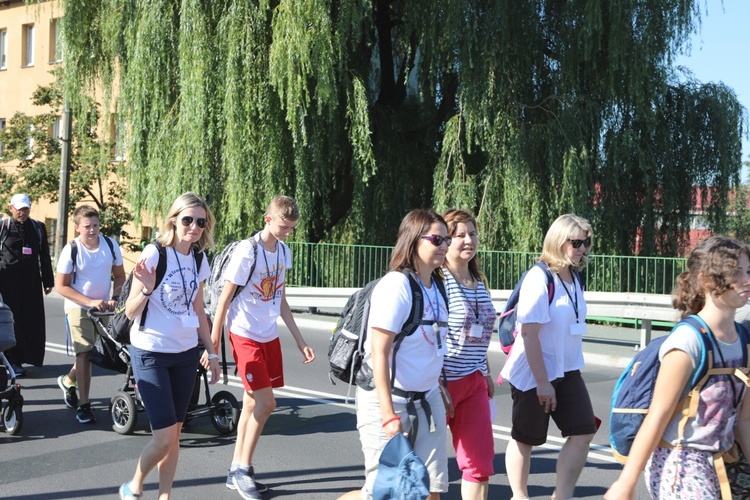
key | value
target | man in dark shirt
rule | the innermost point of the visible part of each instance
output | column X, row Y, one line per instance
column 25, row 269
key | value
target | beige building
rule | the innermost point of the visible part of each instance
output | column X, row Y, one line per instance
column 30, row 49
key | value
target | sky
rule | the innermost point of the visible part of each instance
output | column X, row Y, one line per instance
column 721, row 50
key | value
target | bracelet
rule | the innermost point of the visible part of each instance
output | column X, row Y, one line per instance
column 213, row 356
column 392, row 419
column 146, row 294
column 116, row 298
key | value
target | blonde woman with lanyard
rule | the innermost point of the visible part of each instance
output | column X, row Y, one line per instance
column 165, row 353
column 466, row 369
column 544, row 366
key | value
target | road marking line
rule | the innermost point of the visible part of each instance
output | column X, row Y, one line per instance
column 499, row 432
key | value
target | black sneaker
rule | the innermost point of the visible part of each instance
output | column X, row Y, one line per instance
column 84, row 414
column 262, row 488
column 70, row 396
column 245, row 484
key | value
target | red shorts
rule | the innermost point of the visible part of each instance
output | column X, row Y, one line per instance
column 259, row 364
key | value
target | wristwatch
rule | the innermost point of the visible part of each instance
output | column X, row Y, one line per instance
column 213, row 356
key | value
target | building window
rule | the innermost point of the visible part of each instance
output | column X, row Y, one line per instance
column 2, row 126
column 55, row 42
column 116, row 136
column 28, row 45
column 56, row 129
column 3, row 49
column 147, row 235
column 51, row 226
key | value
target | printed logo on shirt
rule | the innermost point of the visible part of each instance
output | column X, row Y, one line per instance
column 172, row 291
column 249, row 378
column 271, row 286
column 429, row 315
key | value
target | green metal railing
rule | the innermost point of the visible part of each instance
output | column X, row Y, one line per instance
column 332, row 265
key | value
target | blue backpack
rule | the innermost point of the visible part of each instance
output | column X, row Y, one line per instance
column 634, row 390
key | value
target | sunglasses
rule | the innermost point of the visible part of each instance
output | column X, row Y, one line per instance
column 578, row 243
column 436, row 239
column 187, row 221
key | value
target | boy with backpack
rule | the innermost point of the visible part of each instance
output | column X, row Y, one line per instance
column 250, row 319
column 83, row 278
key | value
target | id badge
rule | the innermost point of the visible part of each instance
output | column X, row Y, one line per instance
column 27, row 250
column 578, row 329
column 190, row 321
column 442, row 348
column 476, row 331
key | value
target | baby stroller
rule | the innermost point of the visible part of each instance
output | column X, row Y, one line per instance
column 11, row 401
column 223, row 408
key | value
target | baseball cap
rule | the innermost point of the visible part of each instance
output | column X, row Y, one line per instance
column 19, row 201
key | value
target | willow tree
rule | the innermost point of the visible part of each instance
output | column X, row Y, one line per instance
column 362, row 109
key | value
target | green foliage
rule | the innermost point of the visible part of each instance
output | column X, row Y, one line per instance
column 519, row 110
column 30, row 141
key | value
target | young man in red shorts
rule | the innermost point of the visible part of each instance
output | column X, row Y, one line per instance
column 251, row 321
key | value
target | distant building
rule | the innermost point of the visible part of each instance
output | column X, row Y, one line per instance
column 30, row 49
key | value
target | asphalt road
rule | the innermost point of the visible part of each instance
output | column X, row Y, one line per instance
column 309, row 449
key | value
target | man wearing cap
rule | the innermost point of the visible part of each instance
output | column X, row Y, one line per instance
column 25, row 269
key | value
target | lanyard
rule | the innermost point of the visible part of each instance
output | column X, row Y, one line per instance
column 575, row 293
column 193, row 285
column 435, row 310
column 276, row 274
column 475, row 310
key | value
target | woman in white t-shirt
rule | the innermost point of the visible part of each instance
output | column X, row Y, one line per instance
column 544, row 366
column 164, row 353
column 420, row 249
column 679, row 463
column 470, row 384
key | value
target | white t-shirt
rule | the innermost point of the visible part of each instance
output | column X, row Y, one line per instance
column 712, row 429
column 418, row 362
column 252, row 314
column 171, row 321
column 93, row 269
column 562, row 350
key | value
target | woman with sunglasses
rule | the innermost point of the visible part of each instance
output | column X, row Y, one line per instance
column 420, row 249
column 544, row 366
column 165, row 352
column 466, row 369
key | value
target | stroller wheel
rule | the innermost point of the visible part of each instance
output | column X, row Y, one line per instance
column 225, row 412
column 13, row 417
column 124, row 413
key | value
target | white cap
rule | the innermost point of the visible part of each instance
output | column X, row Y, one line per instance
column 20, row 201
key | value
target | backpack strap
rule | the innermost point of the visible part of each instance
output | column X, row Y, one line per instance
column 550, row 279
column 73, row 257
column 111, row 246
column 4, row 230
column 161, row 270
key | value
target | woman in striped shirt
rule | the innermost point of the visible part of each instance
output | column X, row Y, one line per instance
column 469, row 381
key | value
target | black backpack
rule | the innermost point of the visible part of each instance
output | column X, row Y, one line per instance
column 119, row 325
column 346, row 347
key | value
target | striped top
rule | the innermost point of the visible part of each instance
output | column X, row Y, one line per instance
column 467, row 349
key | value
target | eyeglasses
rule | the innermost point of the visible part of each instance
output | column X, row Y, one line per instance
column 436, row 239
column 578, row 243
column 187, row 221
